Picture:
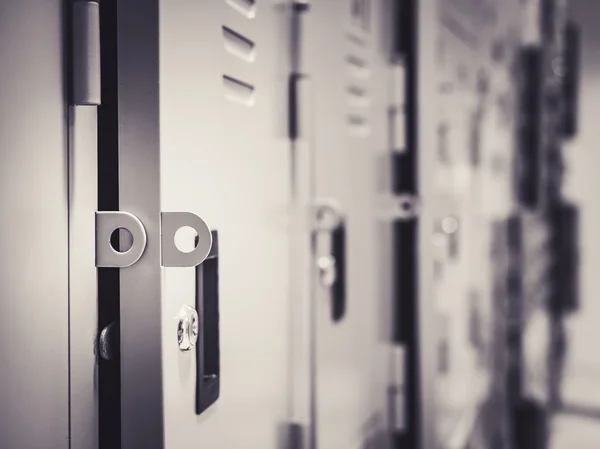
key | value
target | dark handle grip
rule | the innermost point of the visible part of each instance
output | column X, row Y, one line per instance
column 338, row 289
column 207, row 348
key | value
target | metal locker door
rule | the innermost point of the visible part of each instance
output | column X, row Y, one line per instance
column 218, row 148
column 343, row 53
column 34, row 305
column 48, row 166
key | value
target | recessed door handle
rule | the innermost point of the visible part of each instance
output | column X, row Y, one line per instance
column 208, row 359
column 332, row 267
column 338, row 289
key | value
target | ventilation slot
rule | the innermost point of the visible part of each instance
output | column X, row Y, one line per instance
column 359, row 125
column 244, row 7
column 357, row 97
column 238, row 91
column 460, row 24
column 239, row 45
column 357, row 67
column 357, row 40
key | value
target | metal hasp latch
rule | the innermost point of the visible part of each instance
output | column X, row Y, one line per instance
column 402, row 207
column 171, row 256
column 329, row 220
column 85, row 37
column 107, row 223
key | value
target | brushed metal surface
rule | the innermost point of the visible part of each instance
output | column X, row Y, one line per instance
column 141, row 305
column 228, row 161
column 34, row 390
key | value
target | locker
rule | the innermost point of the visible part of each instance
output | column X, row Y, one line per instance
column 464, row 152
column 345, row 56
column 193, row 131
column 34, row 193
column 48, row 136
column 202, row 105
column 310, row 208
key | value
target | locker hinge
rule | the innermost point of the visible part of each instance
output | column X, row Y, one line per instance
column 301, row 5
column 397, row 390
column 294, row 436
column 404, row 25
column 85, row 56
column 402, row 207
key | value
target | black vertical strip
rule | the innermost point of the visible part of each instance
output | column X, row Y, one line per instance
column 208, row 360
column 405, row 274
column 293, row 107
column 564, row 221
column 109, row 379
column 514, row 312
column 406, row 262
column 548, row 19
column 403, row 30
column 338, row 303
column 406, row 327
column 405, row 178
column 299, row 8
column 529, row 148
column 571, row 80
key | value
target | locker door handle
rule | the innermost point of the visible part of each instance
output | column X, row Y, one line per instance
column 208, row 359
column 332, row 268
column 338, row 289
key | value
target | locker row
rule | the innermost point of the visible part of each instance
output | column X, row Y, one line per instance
column 266, row 223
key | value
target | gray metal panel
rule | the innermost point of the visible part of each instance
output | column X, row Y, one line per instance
column 239, row 157
column 33, row 195
column 225, row 156
column 139, row 194
column 82, row 276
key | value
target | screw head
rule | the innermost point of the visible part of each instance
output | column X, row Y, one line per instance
column 187, row 328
